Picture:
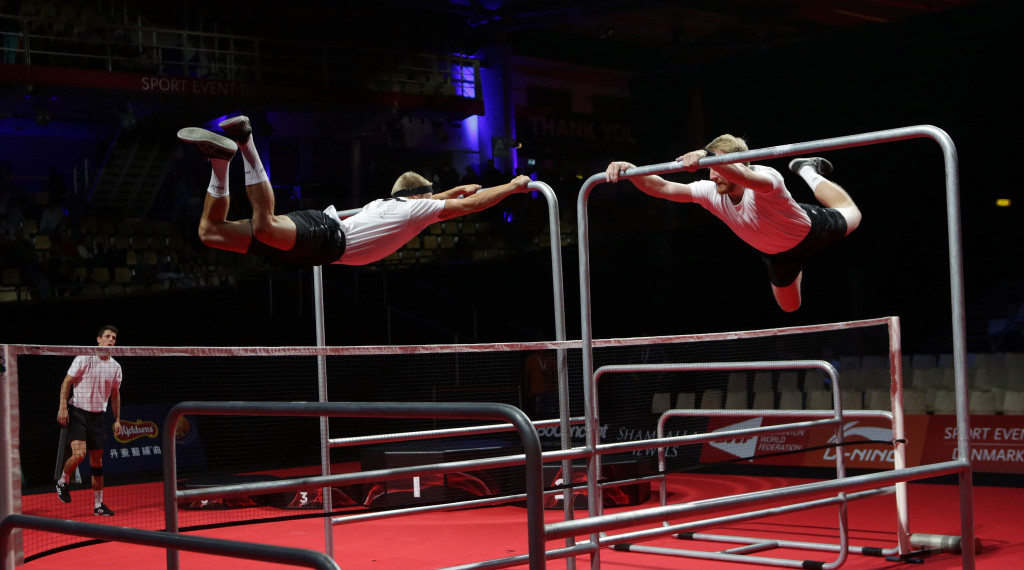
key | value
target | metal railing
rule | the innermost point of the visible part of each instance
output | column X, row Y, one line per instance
column 201, row 544
column 961, row 466
column 483, row 411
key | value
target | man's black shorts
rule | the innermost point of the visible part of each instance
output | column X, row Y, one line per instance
column 827, row 225
column 86, row 426
column 318, row 241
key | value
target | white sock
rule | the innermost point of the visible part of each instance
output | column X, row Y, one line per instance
column 219, row 178
column 99, row 497
column 810, row 176
column 63, row 477
column 254, row 171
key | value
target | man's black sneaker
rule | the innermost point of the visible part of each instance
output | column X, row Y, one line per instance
column 63, row 493
column 818, row 164
column 237, row 128
column 103, row 511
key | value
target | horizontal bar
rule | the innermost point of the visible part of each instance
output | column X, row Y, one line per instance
column 202, row 544
column 653, row 514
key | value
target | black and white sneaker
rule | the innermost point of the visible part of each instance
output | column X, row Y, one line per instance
column 211, row 145
column 237, row 128
column 818, row 164
column 103, row 511
column 63, row 493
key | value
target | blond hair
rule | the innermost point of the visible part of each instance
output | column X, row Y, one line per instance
column 411, row 184
column 727, row 143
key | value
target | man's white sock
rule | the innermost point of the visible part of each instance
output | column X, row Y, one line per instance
column 63, row 477
column 219, row 178
column 98, row 498
column 811, row 176
column 254, row 171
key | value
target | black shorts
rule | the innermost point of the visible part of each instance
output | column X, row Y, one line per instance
column 318, row 241
column 827, row 226
column 86, row 426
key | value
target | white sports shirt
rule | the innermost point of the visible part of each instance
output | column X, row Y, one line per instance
column 94, row 378
column 772, row 222
column 383, row 226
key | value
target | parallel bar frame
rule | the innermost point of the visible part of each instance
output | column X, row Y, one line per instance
column 486, row 411
column 962, row 465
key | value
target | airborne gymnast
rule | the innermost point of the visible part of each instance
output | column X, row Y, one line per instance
column 754, row 202
column 313, row 237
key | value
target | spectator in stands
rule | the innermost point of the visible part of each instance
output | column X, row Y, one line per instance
column 145, row 272
column 16, row 215
column 311, row 237
column 470, row 176
column 447, row 176
column 491, row 173
column 65, row 241
column 89, row 247
column 95, row 379
column 754, row 202
column 541, row 371
column 51, row 216
column 166, row 267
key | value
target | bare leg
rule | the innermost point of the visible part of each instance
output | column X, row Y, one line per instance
column 814, row 170
column 96, row 460
column 788, row 297
column 267, row 227
column 216, row 232
column 271, row 229
column 214, row 229
column 832, row 195
column 77, row 455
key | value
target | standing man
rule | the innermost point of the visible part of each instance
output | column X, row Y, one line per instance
column 754, row 202
column 95, row 379
column 313, row 237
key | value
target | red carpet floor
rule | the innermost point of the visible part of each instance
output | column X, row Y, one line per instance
column 461, row 537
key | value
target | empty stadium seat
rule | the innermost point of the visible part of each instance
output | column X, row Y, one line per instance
column 661, row 402
column 763, row 400
column 926, row 378
column 876, row 378
column 737, row 381
column 874, row 362
column 788, row 381
column 819, row 400
column 986, row 359
column 988, row 377
column 1014, row 360
column 851, row 378
column 1013, row 403
column 853, row 399
column 791, row 400
column 878, row 399
column 763, row 381
column 918, row 361
column 945, row 402
column 982, row 403
column 711, row 399
column 914, row 402
column 686, row 401
column 816, row 380
column 736, row 400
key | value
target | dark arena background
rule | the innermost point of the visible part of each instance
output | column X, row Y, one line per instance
column 100, row 206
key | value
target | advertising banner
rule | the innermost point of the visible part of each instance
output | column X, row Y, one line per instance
column 139, row 448
column 997, row 443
